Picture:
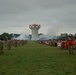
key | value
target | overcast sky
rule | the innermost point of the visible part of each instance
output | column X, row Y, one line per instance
column 54, row 16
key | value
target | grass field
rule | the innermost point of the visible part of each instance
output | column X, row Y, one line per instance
column 37, row 59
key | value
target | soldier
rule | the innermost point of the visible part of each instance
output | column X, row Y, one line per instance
column 74, row 44
column 70, row 44
column 1, row 47
column 8, row 44
column 63, row 44
column 15, row 43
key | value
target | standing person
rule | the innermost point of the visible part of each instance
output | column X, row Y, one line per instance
column 63, row 44
column 70, row 45
column 1, row 47
column 8, row 44
column 75, row 44
column 15, row 43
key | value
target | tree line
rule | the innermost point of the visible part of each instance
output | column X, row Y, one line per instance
column 5, row 36
column 64, row 36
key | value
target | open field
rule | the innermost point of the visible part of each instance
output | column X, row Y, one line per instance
column 37, row 59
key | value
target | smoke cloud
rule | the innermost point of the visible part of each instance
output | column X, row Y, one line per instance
column 55, row 28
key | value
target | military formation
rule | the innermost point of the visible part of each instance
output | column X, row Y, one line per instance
column 11, row 43
column 69, row 44
column 66, row 44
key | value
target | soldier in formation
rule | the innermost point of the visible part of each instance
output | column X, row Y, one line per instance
column 1, row 47
column 9, row 44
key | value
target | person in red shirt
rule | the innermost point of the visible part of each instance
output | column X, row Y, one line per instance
column 70, row 45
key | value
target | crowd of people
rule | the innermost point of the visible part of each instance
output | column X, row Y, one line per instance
column 10, row 43
column 68, row 44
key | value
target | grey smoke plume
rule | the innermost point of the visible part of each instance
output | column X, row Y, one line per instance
column 54, row 28
column 47, row 37
column 23, row 36
column 53, row 31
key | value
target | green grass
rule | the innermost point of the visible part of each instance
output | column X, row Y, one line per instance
column 37, row 59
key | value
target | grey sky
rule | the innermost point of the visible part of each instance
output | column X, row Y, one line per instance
column 55, row 16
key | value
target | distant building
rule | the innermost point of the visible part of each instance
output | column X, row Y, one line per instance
column 34, row 30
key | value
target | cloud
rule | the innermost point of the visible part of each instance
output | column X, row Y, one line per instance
column 16, row 15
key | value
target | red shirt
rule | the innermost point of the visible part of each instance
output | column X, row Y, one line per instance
column 70, row 42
